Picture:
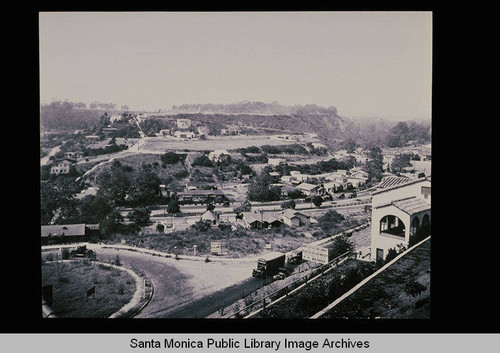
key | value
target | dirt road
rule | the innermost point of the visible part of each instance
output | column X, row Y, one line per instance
column 181, row 282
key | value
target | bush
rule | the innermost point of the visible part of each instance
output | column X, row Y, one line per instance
column 414, row 288
column 117, row 261
column 202, row 161
column 288, row 204
column 391, row 254
column 171, row 158
column 341, row 245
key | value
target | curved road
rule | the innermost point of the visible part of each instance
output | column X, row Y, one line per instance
column 187, row 288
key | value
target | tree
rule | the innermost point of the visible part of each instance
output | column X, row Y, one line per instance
column 398, row 135
column 94, row 209
column 317, row 201
column 173, row 205
column 203, row 161
column 288, row 204
column 341, row 245
column 210, row 204
column 146, row 190
column 246, row 206
column 401, row 161
column 374, row 164
column 349, row 144
column 111, row 224
column 330, row 220
column 170, row 158
column 260, row 189
column 140, row 216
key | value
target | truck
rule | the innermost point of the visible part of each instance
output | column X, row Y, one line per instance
column 82, row 251
column 269, row 264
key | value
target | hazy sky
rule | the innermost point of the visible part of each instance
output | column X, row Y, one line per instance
column 363, row 63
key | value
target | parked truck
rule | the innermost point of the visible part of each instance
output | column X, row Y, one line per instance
column 269, row 264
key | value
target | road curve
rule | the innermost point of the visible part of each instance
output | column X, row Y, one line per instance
column 185, row 288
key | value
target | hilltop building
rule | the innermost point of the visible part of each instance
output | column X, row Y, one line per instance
column 62, row 166
column 183, row 123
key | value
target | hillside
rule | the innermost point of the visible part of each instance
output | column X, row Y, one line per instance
column 259, row 108
column 331, row 128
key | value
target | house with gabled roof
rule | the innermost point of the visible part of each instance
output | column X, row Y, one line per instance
column 210, row 216
column 294, row 218
column 310, row 189
column 262, row 220
column 62, row 166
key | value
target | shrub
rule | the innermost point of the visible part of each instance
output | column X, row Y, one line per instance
column 391, row 254
column 288, row 204
column 414, row 288
column 203, row 161
column 117, row 261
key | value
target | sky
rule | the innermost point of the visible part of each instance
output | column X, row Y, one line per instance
column 366, row 64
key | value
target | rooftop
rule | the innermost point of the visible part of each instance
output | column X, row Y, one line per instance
column 59, row 229
column 412, row 206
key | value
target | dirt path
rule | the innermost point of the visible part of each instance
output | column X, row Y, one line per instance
column 179, row 282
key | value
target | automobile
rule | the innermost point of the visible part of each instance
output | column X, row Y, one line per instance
column 279, row 276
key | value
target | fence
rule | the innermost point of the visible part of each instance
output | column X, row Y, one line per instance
column 290, row 288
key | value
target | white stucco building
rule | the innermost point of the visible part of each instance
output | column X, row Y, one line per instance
column 399, row 207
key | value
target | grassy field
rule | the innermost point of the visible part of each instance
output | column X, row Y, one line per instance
column 242, row 242
column 211, row 143
column 70, row 281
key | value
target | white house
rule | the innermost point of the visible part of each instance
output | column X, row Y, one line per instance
column 276, row 161
column 399, row 207
column 183, row 123
column 62, row 166
column 356, row 181
column 294, row 218
column 216, row 155
column 184, row 134
column 309, row 189
column 331, row 187
column 209, row 216
column 114, row 118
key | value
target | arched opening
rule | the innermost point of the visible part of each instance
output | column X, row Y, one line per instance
column 425, row 220
column 392, row 225
column 414, row 225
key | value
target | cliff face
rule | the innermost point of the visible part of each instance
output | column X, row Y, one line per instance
column 311, row 118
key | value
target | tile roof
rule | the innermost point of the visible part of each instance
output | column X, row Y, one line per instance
column 391, row 181
column 412, row 205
